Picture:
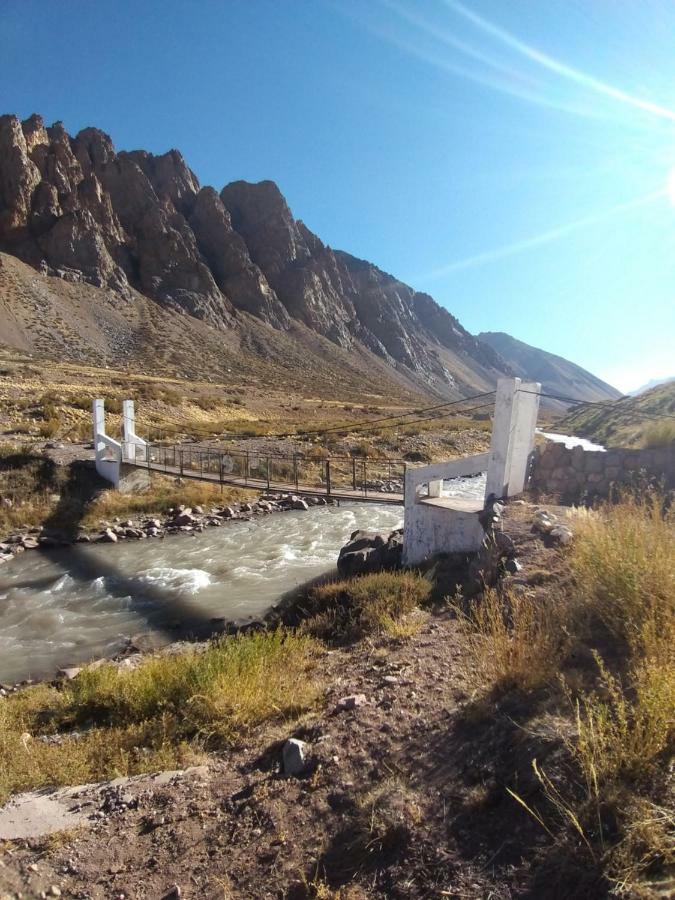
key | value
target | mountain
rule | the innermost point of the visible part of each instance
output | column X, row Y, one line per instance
column 557, row 375
column 652, row 383
column 647, row 420
column 132, row 227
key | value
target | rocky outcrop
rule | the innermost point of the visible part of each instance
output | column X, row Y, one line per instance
column 367, row 552
column 74, row 207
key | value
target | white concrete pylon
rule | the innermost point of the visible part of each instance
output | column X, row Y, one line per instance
column 501, row 444
column 134, row 448
column 107, row 450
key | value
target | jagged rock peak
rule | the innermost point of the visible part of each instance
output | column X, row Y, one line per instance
column 133, row 219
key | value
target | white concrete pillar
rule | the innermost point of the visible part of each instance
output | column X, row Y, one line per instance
column 98, row 414
column 108, row 451
column 134, row 447
column 436, row 488
column 502, row 434
column 527, row 410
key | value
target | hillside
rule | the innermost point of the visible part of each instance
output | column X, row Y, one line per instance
column 557, row 375
column 630, row 422
column 114, row 239
column 652, row 383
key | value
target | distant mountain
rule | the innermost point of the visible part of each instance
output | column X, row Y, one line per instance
column 557, row 375
column 652, row 383
column 132, row 228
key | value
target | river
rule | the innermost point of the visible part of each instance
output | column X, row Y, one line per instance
column 64, row 607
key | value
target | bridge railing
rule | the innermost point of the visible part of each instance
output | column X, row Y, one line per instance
column 295, row 472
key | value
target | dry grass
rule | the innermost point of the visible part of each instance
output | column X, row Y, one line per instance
column 613, row 803
column 513, row 641
column 159, row 715
column 379, row 604
column 163, row 494
column 623, row 560
column 388, row 816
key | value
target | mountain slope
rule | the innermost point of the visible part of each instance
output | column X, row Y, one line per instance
column 556, row 374
column 647, row 420
column 136, row 224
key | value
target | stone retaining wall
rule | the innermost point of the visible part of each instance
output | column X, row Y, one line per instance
column 577, row 473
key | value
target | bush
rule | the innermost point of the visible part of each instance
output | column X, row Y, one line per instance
column 344, row 611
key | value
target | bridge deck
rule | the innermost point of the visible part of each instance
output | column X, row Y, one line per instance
column 262, row 484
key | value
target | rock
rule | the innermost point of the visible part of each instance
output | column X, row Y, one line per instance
column 174, row 893
column 68, row 673
column 351, row 702
column 512, row 566
column 109, row 536
column 294, row 757
column 370, row 552
column 299, row 503
column 184, row 518
column 29, row 543
column 561, row 534
column 504, row 544
column 227, row 512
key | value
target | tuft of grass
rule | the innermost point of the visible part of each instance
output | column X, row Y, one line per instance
column 623, row 562
column 388, row 816
column 108, row 722
column 378, row 604
column 513, row 641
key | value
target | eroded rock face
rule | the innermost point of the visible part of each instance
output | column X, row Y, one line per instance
column 76, row 206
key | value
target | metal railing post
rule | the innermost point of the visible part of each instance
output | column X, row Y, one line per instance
column 354, row 473
column 295, row 471
column 268, row 473
column 328, row 477
column 247, row 468
column 365, row 482
column 181, row 461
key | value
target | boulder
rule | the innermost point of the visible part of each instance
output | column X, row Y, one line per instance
column 294, row 757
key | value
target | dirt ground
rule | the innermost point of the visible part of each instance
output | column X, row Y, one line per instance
column 404, row 795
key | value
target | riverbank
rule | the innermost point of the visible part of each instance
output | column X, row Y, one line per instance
column 418, row 736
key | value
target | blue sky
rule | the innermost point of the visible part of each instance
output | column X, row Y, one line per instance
column 514, row 159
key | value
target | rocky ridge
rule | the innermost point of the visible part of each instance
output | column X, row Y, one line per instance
column 132, row 221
